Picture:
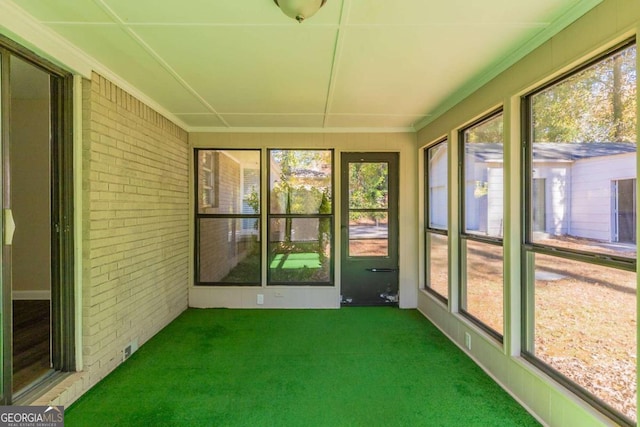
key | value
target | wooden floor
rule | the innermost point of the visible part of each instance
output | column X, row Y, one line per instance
column 31, row 341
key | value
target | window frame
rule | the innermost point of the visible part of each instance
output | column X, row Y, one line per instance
column 428, row 230
column 464, row 236
column 329, row 216
column 64, row 306
column 530, row 248
column 210, row 182
column 200, row 216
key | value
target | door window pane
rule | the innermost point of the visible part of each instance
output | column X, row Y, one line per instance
column 369, row 234
column 368, row 209
column 33, row 190
column 368, row 185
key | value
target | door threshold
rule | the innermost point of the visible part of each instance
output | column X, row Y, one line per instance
column 33, row 391
column 376, row 304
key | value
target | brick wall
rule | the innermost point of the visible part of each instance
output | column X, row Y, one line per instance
column 218, row 236
column 135, row 229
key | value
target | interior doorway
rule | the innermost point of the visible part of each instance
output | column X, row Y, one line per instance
column 37, row 223
column 625, row 210
column 369, row 224
column 538, row 201
column 30, row 192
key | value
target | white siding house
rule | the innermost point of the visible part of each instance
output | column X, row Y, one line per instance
column 575, row 188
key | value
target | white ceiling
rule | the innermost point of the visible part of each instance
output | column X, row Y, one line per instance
column 355, row 65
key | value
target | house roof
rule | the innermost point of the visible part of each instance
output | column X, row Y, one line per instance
column 308, row 173
column 554, row 151
column 578, row 151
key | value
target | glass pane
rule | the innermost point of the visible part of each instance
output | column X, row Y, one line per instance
column 35, row 196
column 438, row 264
column 584, row 159
column 300, row 250
column 483, row 178
column 368, row 185
column 484, row 284
column 438, row 186
column 368, row 234
column 229, row 250
column 229, row 182
column 300, row 181
column 585, row 327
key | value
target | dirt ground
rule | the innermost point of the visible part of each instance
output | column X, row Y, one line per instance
column 585, row 315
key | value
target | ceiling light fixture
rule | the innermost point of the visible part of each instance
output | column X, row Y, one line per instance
column 300, row 9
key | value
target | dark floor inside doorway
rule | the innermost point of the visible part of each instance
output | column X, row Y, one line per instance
column 31, row 341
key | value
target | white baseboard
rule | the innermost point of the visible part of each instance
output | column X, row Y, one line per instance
column 31, row 295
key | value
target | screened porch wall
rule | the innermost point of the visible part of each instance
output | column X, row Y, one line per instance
column 609, row 23
column 319, row 296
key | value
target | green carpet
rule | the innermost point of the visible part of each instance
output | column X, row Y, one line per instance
column 349, row 367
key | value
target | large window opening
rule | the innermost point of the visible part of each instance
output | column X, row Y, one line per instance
column 228, row 217
column 481, row 201
column 300, row 220
column 436, row 220
column 580, row 246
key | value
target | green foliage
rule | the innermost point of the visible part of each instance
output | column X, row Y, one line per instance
column 489, row 131
column 597, row 104
column 368, row 189
column 303, row 179
column 303, row 185
column 368, row 186
column 253, row 199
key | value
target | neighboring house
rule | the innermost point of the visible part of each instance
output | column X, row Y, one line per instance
column 582, row 190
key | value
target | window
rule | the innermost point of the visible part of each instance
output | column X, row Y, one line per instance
column 300, row 220
column 228, row 217
column 368, row 209
column 481, row 293
column 208, row 182
column 580, row 247
column 436, row 220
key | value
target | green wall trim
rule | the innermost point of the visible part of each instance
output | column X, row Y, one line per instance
column 569, row 16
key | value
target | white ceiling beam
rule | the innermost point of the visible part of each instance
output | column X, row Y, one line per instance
column 337, row 53
column 145, row 46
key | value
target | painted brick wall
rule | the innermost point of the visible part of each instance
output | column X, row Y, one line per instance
column 135, row 229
